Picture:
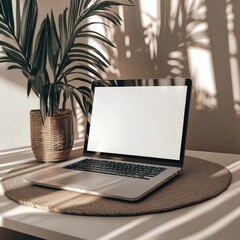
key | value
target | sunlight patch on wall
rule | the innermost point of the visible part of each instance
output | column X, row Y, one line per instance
column 80, row 123
column 121, row 14
column 202, row 69
column 174, row 11
column 200, row 57
column 110, row 53
column 234, row 61
column 181, row 50
column 150, row 21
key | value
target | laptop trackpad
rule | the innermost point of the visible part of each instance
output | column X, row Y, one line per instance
column 91, row 181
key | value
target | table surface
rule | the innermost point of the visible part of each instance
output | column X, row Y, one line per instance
column 218, row 218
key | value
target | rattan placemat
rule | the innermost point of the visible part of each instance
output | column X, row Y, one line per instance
column 200, row 181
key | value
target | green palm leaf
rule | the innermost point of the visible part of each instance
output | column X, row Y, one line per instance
column 53, row 44
column 79, row 101
column 85, row 91
column 6, row 10
column 95, row 35
column 72, row 102
column 43, row 101
column 40, row 49
column 88, row 55
column 62, row 21
column 4, row 28
column 74, row 6
column 29, row 20
column 19, row 48
column 15, row 57
column 90, row 49
column 18, row 20
column 5, row 59
column 14, row 67
column 10, row 47
column 82, row 58
column 84, row 68
column 113, row 17
column 81, row 79
column 78, row 29
column 31, row 79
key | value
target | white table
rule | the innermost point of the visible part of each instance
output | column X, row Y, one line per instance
column 218, row 218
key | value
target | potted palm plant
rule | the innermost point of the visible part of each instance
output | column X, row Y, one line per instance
column 57, row 63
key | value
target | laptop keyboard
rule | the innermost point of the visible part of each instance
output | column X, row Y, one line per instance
column 122, row 169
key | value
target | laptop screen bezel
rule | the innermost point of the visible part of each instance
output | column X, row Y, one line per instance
column 142, row 159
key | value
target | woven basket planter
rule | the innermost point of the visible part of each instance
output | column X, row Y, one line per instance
column 52, row 141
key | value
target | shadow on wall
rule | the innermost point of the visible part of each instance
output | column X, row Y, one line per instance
column 187, row 38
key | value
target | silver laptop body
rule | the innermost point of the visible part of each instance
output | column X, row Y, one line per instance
column 132, row 125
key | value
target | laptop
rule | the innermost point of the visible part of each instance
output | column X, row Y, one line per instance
column 134, row 141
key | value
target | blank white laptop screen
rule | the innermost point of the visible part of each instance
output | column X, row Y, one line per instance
column 138, row 121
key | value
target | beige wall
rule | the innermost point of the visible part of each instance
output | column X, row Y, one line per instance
column 161, row 38
column 187, row 38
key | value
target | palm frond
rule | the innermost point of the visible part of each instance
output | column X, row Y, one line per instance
column 111, row 16
column 10, row 46
column 85, row 10
column 84, row 68
column 14, row 67
column 86, row 25
column 18, row 50
column 69, row 58
column 53, row 99
column 31, row 79
column 66, row 94
column 95, row 35
column 90, row 49
column 79, row 101
column 5, row 59
column 15, row 57
column 53, row 44
column 88, row 55
column 6, row 9
column 18, row 20
column 83, row 58
column 81, row 79
column 62, row 21
column 29, row 21
column 4, row 33
column 4, row 30
column 74, row 6
column 40, row 49
column 85, row 91
column 72, row 102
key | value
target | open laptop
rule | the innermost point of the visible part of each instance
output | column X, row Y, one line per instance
column 135, row 140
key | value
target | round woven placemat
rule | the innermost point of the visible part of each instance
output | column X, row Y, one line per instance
column 200, row 180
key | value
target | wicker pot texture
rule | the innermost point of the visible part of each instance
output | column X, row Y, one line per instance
column 53, row 140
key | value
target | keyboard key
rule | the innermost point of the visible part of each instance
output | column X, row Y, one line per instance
column 131, row 170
